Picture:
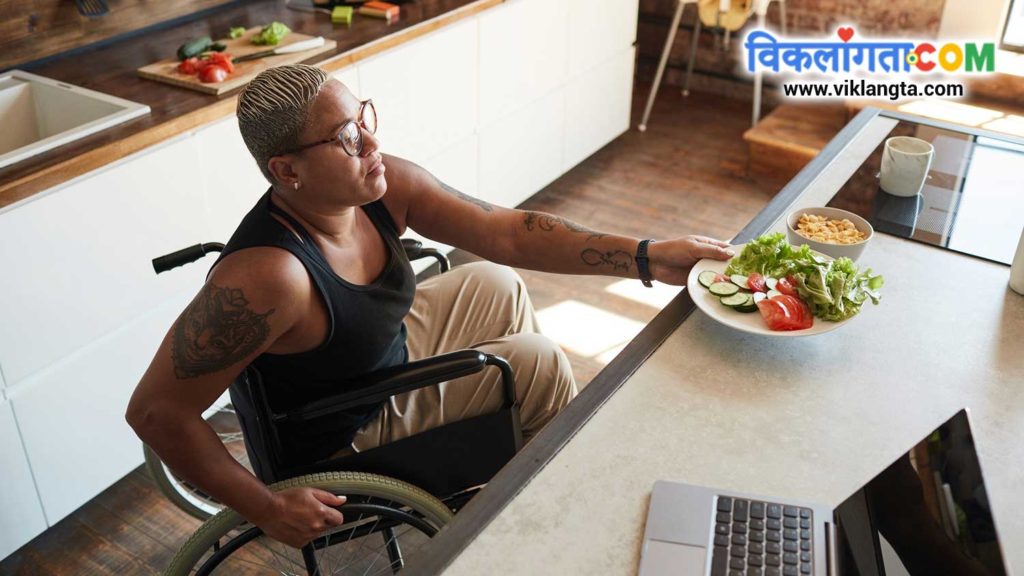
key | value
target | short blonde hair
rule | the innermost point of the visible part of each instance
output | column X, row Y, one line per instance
column 274, row 109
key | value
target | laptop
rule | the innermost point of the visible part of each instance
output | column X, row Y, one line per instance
column 926, row 514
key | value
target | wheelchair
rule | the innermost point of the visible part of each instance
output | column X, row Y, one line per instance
column 399, row 495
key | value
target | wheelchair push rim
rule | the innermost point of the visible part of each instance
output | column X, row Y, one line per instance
column 385, row 519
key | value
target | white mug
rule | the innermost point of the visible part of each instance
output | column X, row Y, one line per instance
column 905, row 164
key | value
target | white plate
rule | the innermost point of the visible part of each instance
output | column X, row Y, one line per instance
column 751, row 322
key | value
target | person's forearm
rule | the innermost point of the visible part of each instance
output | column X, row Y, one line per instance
column 553, row 244
column 194, row 451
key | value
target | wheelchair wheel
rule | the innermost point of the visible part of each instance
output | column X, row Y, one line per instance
column 387, row 521
column 184, row 495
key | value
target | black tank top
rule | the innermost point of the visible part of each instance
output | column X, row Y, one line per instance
column 366, row 328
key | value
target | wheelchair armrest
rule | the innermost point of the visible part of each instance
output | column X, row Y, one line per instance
column 414, row 250
column 382, row 384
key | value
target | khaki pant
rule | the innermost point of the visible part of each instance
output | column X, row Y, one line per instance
column 483, row 306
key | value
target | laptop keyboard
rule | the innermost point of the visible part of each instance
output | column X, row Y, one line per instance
column 754, row 538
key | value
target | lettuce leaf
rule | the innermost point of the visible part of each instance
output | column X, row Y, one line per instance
column 271, row 34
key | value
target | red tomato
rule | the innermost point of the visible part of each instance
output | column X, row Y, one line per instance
column 787, row 286
column 223, row 60
column 212, row 73
column 801, row 311
column 785, row 313
column 722, row 278
column 190, row 66
column 756, row 282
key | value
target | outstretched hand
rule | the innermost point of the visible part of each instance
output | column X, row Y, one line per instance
column 671, row 260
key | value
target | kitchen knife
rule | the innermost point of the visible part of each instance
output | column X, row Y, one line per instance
column 289, row 49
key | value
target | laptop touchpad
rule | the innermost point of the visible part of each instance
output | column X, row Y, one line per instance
column 673, row 558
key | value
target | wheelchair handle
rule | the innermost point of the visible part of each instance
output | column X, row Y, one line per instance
column 185, row 256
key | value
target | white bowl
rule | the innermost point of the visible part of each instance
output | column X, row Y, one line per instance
column 851, row 251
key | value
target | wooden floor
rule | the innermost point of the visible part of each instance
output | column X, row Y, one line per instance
column 686, row 174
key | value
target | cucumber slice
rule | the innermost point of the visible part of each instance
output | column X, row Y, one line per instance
column 737, row 299
column 774, row 293
column 748, row 305
column 758, row 296
column 723, row 288
column 771, row 283
column 707, row 278
column 740, row 280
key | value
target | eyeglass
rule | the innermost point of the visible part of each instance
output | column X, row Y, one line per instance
column 350, row 137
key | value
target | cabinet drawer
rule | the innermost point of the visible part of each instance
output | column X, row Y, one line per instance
column 425, row 91
column 233, row 182
column 599, row 32
column 78, row 261
column 22, row 516
column 522, row 152
column 597, row 106
column 71, row 415
column 523, row 54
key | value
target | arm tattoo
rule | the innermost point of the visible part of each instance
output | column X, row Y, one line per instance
column 547, row 223
column 483, row 205
column 617, row 259
column 216, row 330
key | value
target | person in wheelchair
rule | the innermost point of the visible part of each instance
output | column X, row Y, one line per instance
column 314, row 289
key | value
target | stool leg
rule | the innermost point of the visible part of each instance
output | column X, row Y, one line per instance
column 756, row 115
column 693, row 55
column 661, row 65
column 782, row 15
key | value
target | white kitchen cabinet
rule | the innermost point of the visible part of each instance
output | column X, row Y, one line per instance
column 523, row 54
column 77, row 260
column 522, row 152
column 71, row 414
column 350, row 78
column 231, row 180
column 21, row 515
column 599, row 31
column 591, row 122
column 425, row 91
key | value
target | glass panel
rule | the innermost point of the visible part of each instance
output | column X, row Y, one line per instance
column 972, row 200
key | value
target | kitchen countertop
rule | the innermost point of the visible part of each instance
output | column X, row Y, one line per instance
column 111, row 69
column 691, row 400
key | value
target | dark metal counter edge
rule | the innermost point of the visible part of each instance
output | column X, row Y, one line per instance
column 476, row 515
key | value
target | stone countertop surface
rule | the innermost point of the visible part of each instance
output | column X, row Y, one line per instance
column 805, row 418
column 111, row 69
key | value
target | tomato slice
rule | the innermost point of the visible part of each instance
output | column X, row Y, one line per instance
column 212, row 73
column 787, row 286
column 756, row 282
column 223, row 60
column 783, row 313
column 808, row 317
column 190, row 66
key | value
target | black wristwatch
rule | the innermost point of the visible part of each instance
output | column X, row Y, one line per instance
column 643, row 263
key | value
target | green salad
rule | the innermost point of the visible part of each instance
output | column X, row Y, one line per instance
column 834, row 289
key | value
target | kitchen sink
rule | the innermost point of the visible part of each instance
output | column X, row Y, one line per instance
column 38, row 114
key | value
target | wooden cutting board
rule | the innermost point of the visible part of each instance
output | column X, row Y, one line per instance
column 167, row 70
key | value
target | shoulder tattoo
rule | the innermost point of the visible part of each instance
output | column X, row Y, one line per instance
column 217, row 330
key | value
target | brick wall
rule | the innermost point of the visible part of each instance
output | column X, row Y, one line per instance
column 723, row 72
